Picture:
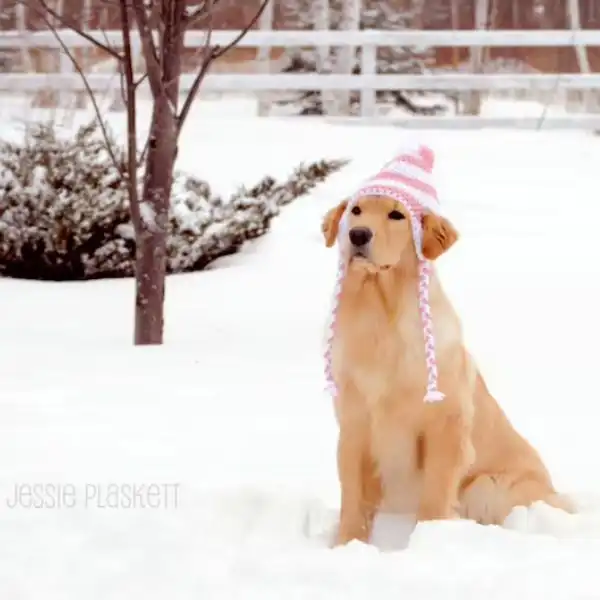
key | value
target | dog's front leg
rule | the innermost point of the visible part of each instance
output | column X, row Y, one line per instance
column 447, row 454
column 359, row 480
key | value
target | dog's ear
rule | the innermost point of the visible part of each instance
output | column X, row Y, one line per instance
column 438, row 235
column 331, row 223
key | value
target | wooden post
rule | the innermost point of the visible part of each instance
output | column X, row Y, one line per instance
column 368, row 66
column 473, row 99
column 574, row 17
column 320, row 11
column 65, row 98
column 263, row 56
column 350, row 21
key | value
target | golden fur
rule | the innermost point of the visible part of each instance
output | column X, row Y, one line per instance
column 397, row 453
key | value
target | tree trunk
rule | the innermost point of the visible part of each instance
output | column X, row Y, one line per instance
column 151, row 255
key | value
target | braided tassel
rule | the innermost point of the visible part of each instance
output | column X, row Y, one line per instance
column 433, row 394
column 330, row 384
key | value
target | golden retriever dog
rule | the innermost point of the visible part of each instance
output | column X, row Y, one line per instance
column 456, row 458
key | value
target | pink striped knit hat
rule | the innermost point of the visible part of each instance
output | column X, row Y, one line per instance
column 407, row 178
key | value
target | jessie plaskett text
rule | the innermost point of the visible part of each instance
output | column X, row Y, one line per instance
column 107, row 496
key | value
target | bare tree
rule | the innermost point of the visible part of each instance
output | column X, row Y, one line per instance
column 161, row 27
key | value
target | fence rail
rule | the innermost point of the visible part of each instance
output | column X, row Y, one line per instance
column 224, row 82
column 534, row 38
column 575, row 122
column 368, row 82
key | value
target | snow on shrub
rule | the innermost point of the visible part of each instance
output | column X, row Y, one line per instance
column 64, row 209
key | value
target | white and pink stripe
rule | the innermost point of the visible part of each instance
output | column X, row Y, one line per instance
column 407, row 178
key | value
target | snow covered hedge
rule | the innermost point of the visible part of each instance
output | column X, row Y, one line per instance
column 64, row 210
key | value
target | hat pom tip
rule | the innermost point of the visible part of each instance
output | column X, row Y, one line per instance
column 434, row 396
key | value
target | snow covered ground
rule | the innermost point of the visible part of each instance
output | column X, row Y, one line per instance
column 229, row 421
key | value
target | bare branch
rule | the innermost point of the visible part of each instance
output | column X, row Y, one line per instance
column 172, row 47
column 87, row 86
column 144, row 151
column 108, row 44
column 204, row 11
column 68, row 22
column 132, row 164
column 195, row 14
column 120, row 68
column 153, row 66
column 141, row 80
column 211, row 55
column 218, row 52
column 122, row 88
column 187, row 105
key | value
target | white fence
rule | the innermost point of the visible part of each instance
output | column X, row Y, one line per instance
column 367, row 83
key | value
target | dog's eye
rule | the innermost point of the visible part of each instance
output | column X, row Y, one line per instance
column 356, row 210
column 396, row 215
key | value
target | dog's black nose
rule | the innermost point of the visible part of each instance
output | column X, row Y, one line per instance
column 359, row 236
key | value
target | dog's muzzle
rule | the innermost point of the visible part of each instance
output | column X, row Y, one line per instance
column 359, row 240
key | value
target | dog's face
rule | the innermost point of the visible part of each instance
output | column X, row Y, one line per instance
column 380, row 234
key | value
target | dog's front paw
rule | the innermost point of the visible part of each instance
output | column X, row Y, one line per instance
column 347, row 534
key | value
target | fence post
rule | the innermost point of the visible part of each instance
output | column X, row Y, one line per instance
column 264, row 55
column 368, row 66
column 65, row 66
column 345, row 56
column 27, row 64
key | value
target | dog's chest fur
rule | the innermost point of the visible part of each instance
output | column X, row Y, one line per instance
column 379, row 363
column 379, row 344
